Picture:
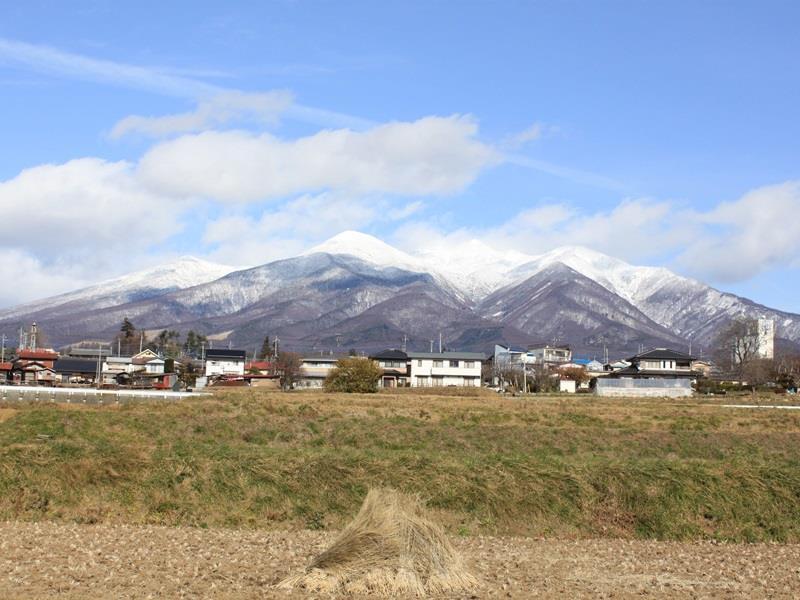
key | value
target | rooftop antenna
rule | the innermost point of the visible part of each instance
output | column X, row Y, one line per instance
column 431, row 346
column 440, row 342
column 405, row 341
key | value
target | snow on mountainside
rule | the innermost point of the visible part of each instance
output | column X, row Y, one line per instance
column 329, row 287
column 182, row 273
column 369, row 249
column 632, row 283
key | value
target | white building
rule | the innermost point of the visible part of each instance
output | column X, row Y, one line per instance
column 766, row 338
column 551, row 355
column 432, row 369
column 225, row 362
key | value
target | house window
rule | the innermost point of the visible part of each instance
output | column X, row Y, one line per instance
column 393, row 364
column 438, row 364
column 437, row 381
column 453, row 364
column 419, row 363
column 469, row 364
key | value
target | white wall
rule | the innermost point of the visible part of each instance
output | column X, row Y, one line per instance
column 224, row 367
column 459, row 376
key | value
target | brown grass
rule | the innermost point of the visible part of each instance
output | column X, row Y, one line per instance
column 6, row 413
column 390, row 548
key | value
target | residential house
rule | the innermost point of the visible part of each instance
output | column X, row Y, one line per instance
column 34, row 366
column 591, row 365
column 395, row 368
column 145, row 369
column 5, row 372
column 75, row 371
column 432, row 369
column 227, row 363
column 314, row 370
column 659, row 372
column 550, row 354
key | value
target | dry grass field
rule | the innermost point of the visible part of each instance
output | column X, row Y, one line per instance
column 559, row 496
column 569, row 467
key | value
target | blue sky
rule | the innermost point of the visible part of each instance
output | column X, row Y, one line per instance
column 660, row 133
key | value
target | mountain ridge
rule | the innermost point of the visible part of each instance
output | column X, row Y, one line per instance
column 368, row 284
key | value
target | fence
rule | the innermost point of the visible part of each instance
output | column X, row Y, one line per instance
column 13, row 393
column 623, row 386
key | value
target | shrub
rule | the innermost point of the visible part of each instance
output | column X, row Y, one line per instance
column 358, row 375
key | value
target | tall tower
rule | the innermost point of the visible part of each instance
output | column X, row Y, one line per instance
column 766, row 338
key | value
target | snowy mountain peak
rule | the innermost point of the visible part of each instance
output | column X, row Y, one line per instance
column 367, row 248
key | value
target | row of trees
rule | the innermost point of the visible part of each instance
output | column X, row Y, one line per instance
column 131, row 340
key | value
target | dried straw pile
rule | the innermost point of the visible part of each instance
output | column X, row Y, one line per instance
column 390, row 549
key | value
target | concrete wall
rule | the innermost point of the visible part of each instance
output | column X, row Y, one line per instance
column 644, row 392
column 86, row 395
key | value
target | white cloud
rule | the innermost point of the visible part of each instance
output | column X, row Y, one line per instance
column 77, row 222
column 745, row 237
column 158, row 80
column 434, row 155
column 295, row 226
column 263, row 108
column 33, row 280
column 61, row 208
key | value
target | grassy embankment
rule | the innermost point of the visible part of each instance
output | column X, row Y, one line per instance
column 572, row 467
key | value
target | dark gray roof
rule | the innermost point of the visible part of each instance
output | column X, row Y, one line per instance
column 214, row 353
column 448, row 355
column 75, row 365
column 661, row 354
column 390, row 354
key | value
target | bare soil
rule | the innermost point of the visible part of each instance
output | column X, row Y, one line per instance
column 45, row 560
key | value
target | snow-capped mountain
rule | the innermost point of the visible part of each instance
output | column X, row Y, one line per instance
column 357, row 290
column 185, row 272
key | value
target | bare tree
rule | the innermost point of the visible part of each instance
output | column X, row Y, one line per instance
column 736, row 348
column 288, row 366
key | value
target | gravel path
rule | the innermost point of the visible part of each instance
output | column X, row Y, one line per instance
column 45, row 560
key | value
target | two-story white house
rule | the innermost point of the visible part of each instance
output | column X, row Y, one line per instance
column 225, row 362
column 432, row 369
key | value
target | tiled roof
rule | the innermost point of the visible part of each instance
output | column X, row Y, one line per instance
column 661, row 354
column 37, row 354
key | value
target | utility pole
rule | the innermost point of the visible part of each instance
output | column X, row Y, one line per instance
column 440, row 342
column 141, row 342
column 405, row 341
column 33, row 336
column 431, row 346
column 99, row 376
column 3, row 348
column 524, row 377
